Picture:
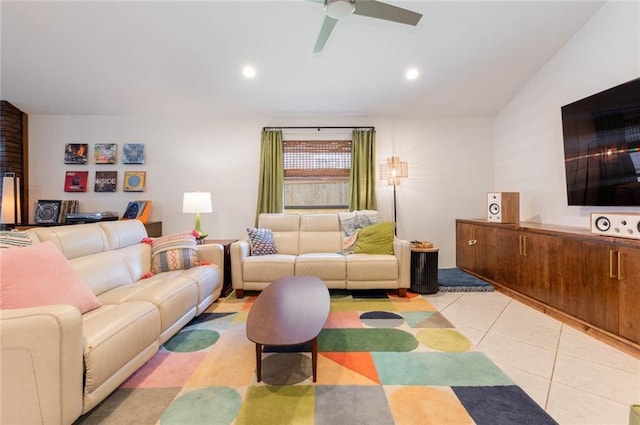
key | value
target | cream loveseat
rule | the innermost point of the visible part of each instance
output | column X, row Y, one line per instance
column 58, row 364
column 311, row 244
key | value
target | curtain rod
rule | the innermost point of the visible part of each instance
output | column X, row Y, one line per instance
column 318, row 128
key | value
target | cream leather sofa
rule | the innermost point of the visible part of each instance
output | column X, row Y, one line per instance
column 310, row 244
column 57, row 364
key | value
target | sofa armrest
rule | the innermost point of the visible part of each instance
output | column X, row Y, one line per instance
column 402, row 251
column 214, row 254
column 240, row 250
column 41, row 365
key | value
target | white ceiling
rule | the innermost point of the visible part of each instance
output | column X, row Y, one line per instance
column 185, row 58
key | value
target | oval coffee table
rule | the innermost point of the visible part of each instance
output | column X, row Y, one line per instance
column 290, row 311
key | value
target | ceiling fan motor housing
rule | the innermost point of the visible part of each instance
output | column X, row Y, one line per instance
column 337, row 9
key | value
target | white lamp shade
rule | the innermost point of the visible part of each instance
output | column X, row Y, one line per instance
column 10, row 207
column 196, row 202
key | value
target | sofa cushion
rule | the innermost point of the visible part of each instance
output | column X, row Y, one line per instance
column 372, row 268
column 40, row 275
column 326, row 266
column 262, row 242
column 172, row 294
column 267, row 268
column 14, row 239
column 174, row 252
column 375, row 239
column 114, row 335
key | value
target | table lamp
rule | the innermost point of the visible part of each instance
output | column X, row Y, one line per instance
column 197, row 202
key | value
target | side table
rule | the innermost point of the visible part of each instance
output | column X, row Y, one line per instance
column 424, row 270
column 226, row 245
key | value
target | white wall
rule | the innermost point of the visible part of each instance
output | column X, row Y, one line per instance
column 453, row 162
column 450, row 167
column 528, row 132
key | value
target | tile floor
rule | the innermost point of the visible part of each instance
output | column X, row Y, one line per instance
column 577, row 379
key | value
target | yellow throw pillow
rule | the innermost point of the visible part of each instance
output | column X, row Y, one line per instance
column 375, row 239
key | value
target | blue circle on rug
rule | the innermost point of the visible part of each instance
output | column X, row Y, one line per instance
column 215, row 406
column 193, row 340
column 382, row 319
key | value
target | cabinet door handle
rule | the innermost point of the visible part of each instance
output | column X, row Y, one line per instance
column 619, row 265
column 472, row 242
column 520, row 244
column 612, row 275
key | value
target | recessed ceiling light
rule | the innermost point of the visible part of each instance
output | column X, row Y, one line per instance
column 249, row 72
column 412, row 73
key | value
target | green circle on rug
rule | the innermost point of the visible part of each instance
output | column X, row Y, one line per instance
column 190, row 341
column 215, row 406
column 447, row 340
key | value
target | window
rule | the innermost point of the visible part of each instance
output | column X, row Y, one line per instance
column 316, row 175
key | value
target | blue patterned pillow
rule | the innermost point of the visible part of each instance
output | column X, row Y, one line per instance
column 262, row 242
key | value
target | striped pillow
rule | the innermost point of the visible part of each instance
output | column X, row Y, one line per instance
column 174, row 252
column 14, row 239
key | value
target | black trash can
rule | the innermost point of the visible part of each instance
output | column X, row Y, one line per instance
column 424, row 270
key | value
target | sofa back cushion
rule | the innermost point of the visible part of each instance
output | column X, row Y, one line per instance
column 103, row 271
column 123, row 233
column 75, row 240
column 285, row 229
column 319, row 233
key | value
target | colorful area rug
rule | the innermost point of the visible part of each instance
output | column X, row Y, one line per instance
column 456, row 280
column 382, row 360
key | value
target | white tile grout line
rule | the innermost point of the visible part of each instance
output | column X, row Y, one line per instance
column 553, row 368
column 495, row 320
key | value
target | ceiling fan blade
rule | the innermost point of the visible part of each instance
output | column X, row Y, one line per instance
column 325, row 31
column 376, row 9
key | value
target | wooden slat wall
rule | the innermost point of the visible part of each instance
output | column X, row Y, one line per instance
column 14, row 150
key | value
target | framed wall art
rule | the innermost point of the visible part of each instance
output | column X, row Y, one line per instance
column 106, row 181
column 76, row 181
column 133, row 153
column 47, row 211
column 75, row 153
column 105, row 153
column 134, row 181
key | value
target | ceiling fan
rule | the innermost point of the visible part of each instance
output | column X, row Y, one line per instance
column 336, row 9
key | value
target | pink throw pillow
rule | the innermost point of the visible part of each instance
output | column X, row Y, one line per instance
column 40, row 275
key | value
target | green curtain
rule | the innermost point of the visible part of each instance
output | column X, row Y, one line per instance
column 362, row 192
column 270, row 186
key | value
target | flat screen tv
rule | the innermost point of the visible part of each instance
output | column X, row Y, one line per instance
column 602, row 147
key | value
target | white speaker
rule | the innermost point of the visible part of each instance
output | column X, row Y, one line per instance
column 622, row 225
column 503, row 207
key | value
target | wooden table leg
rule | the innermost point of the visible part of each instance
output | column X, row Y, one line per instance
column 259, row 361
column 314, row 357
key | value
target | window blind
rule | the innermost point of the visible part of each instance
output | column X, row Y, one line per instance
column 329, row 159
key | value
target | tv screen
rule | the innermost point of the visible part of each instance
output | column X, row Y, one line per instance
column 602, row 147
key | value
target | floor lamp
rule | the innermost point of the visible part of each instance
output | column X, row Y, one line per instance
column 393, row 170
column 10, row 213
